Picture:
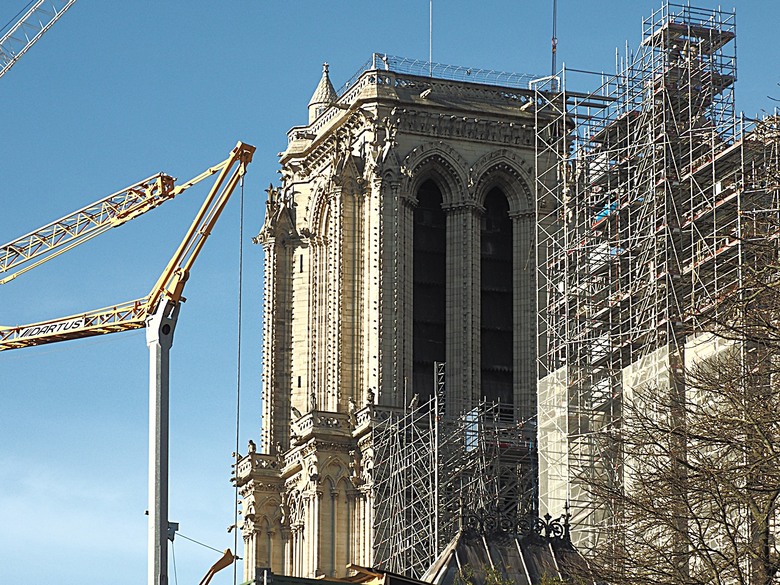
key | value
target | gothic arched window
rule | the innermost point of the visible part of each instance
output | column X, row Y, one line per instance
column 496, row 335
column 429, row 294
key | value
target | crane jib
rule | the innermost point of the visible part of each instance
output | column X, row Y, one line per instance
column 122, row 317
column 52, row 328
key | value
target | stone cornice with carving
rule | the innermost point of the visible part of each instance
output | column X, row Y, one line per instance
column 365, row 442
column 317, row 423
column 363, row 107
column 461, row 205
column 402, row 88
column 255, row 486
column 293, row 481
column 409, row 87
column 482, row 128
column 322, row 156
column 254, row 465
column 333, row 446
column 517, row 215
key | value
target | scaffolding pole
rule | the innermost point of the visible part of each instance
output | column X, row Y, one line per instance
column 643, row 188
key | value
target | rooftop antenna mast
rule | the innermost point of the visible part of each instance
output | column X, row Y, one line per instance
column 554, row 38
column 430, row 38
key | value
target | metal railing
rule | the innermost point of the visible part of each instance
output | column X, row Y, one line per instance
column 422, row 68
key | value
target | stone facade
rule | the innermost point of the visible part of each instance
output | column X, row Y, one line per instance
column 341, row 335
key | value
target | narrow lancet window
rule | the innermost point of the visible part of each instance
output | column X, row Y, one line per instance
column 429, row 289
column 496, row 335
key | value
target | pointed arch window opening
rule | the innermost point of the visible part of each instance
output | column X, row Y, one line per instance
column 496, row 300
column 429, row 288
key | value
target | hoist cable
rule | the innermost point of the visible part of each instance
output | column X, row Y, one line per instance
column 173, row 555
column 238, row 375
column 180, row 535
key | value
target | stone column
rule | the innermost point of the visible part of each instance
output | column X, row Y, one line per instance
column 287, row 549
column 350, row 297
column 372, row 268
column 314, row 533
column 463, row 309
column 269, row 396
column 396, row 295
column 251, row 543
column 357, row 533
column 366, row 529
column 276, row 346
column 318, row 255
column 330, row 520
column 524, row 313
column 335, row 301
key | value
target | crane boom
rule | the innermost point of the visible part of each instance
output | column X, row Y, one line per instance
column 169, row 287
column 129, row 315
column 171, row 281
column 75, row 228
column 26, row 31
column 157, row 313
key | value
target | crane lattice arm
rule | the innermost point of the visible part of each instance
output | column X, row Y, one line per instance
column 169, row 287
column 171, row 281
column 130, row 315
column 26, row 31
column 67, row 232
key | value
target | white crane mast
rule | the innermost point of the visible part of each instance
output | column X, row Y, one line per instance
column 24, row 33
column 157, row 312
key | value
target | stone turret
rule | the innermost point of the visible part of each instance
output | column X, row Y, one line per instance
column 323, row 96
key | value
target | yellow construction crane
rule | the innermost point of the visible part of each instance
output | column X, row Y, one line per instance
column 45, row 243
column 41, row 245
column 157, row 312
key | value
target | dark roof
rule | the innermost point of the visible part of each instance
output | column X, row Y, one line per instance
column 479, row 557
column 502, row 558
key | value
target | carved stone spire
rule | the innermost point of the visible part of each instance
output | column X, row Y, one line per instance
column 323, row 96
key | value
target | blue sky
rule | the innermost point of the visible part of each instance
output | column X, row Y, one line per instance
column 117, row 91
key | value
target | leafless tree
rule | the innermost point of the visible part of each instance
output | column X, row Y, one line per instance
column 699, row 501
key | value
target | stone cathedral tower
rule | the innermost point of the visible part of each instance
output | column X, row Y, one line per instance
column 402, row 234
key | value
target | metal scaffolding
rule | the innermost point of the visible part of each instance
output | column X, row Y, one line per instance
column 434, row 475
column 646, row 190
